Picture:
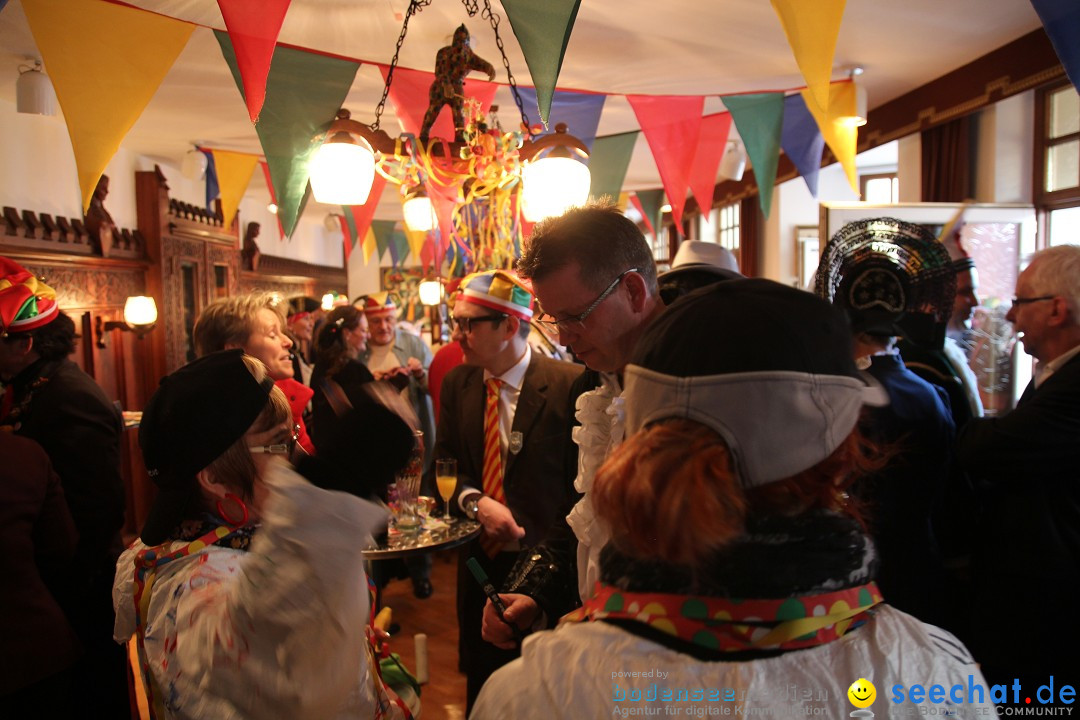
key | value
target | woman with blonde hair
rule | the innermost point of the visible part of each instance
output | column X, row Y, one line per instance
column 738, row 568
column 246, row 592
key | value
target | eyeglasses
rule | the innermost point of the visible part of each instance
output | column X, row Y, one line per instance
column 282, row 448
column 576, row 323
column 1024, row 301
column 466, row 323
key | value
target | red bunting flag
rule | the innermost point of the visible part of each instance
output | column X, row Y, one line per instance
column 644, row 215
column 347, row 237
column 253, row 27
column 409, row 94
column 710, row 150
column 672, row 125
column 364, row 214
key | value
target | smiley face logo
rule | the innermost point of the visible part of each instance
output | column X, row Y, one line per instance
column 862, row 693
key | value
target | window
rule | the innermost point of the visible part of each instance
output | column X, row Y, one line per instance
column 728, row 227
column 1057, row 147
column 882, row 189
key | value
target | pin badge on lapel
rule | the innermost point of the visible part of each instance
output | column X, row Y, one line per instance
column 515, row 442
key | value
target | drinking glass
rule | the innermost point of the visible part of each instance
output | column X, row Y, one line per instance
column 446, row 479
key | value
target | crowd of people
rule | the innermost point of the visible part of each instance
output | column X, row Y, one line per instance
column 738, row 485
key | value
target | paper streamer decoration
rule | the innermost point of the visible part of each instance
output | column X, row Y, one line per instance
column 801, row 141
column 671, row 125
column 253, row 27
column 1061, row 20
column 840, row 136
column 543, row 31
column 303, row 94
column 106, row 61
column 759, row 119
column 711, row 145
column 234, row 171
column 608, row 163
column 812, row 29
column 409, row 95
column 579, row 110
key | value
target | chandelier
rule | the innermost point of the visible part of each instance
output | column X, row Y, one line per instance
column 495, row 179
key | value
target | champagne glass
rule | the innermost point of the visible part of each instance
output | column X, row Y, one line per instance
column 446, row 479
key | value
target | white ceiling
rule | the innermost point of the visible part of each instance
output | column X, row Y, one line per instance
column 698, row 47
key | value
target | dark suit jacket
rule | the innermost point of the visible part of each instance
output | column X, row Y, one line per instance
column 539, row 479
column 1027, row 465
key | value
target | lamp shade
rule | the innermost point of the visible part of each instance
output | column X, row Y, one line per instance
column 193, row 166
column 328, row 301
column 430, row 292
column 733, row 163
column 342, row 171
column 859, row 118
column 140, row 311
column 552, row 185
column 34, row 92
column 419, row 215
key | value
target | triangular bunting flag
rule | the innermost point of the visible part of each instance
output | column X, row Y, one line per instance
column 648, row 203
column 1061, row 20
column 802, row 141
column 234, row 171
column 812, row 29
column 711, row 145
column 671, row 125
column 579, row 110
column 409, row 94
column 543, row 31
column 384, row 232
column 369, row 245
column 399, row 247
column 213, row 190
column 106, row 61
column 362, row 215
column 842, row 137
column 304, row 91
column 444, row 199
column 273, row 195
column 253, row 27
column 759, row 119
column 608, row 163
column 415, row 243
column 348, row 230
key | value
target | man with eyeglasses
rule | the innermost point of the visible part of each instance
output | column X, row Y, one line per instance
column 505, row 416
column 595, row 280
column 1027, row 464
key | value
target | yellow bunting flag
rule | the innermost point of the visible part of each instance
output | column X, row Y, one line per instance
column 369, row 245
column 416, row 239
column 841, row 135
column 812, row 29
column 106, row 61
column 234, row 171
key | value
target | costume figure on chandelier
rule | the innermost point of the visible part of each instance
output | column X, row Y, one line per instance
column 452, row 64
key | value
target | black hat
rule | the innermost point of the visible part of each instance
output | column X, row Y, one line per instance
column 892, row 278
column 196, row 414
column 776, row 378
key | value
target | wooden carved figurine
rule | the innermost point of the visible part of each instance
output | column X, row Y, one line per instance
column 99, row 223
column 452, row 64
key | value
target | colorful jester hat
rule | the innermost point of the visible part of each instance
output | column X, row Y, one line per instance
column 500, row 291
column 26, row 303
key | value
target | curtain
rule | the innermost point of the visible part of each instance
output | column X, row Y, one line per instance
column 946, row 162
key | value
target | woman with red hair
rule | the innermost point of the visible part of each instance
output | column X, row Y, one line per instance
column 738, row 572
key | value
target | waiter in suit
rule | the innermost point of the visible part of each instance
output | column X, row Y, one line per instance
column 505, row 416
column 1027, row 468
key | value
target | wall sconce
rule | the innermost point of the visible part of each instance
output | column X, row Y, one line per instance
column 554, row 183
column 140, row 317
column 733, row 162
column 34, row 92
column 430, row 292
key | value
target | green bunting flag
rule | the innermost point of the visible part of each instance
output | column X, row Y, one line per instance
column 760, row 119
column 304, row 91
column 543, row 31
column 608, row 163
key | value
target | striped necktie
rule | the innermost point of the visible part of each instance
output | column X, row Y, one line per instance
column 493, row 472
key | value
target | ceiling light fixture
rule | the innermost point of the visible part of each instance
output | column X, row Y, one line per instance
column 34, row 94
column 860, row 116
column 733, row 162
column 419, row 214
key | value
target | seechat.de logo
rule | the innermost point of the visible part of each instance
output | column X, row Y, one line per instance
column 862, row 694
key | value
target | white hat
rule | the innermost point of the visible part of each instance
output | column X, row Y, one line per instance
column 703, row 256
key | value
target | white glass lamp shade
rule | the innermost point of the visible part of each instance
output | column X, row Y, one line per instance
column 140, row 311
column 34, row 93
column 859, row 118
column 553, row 185
column 328, row 301
column 430, row 292
column 342, row 172
column 733, row 162
column 193, row 166
column 419, row 215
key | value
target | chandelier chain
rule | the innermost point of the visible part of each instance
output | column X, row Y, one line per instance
column 415, row 6
column 494, row 19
